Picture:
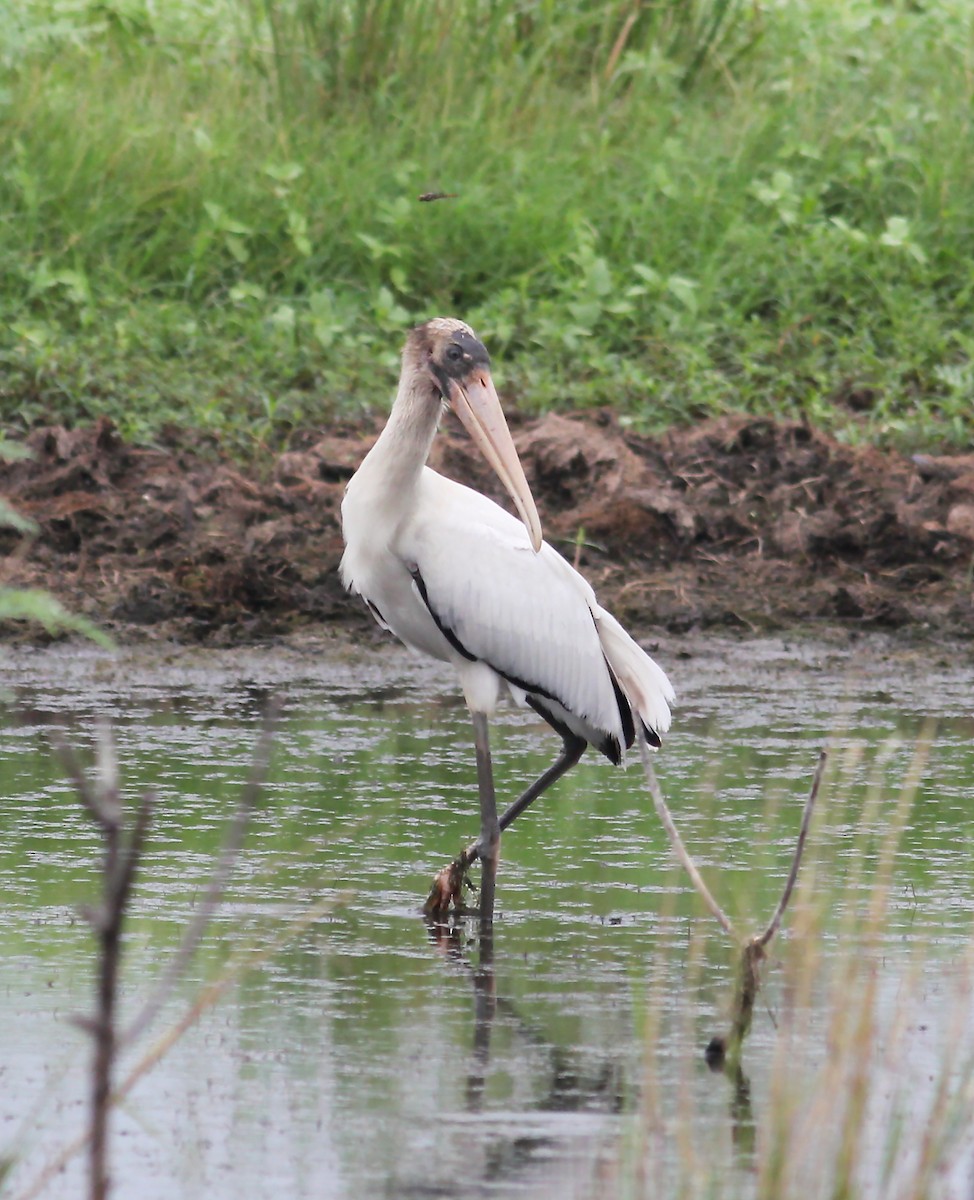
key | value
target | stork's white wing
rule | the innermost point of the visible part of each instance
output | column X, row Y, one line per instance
column 529, row 616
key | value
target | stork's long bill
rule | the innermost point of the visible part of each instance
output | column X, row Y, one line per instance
column 475, row 401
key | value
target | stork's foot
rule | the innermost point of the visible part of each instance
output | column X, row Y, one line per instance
column 448, row 885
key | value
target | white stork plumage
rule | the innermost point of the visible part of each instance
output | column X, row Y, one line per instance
column 454, row 575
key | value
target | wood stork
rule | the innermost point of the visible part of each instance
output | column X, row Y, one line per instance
column 454, row 575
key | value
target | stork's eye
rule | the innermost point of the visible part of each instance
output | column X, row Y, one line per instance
column 453, row 354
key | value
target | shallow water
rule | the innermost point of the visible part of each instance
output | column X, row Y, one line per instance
column 356, row 1054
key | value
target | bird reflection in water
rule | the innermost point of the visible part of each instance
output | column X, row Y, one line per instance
column 568, row 1085
column 564, row 1084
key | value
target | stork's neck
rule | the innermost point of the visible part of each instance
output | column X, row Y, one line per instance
column 402, row 448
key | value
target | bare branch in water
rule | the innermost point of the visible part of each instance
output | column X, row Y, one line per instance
column 677, row 842
column 779, row 912
column 753, row 950
column 248, row 960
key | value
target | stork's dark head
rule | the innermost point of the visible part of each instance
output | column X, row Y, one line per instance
column 457, row 364
column 447, row 350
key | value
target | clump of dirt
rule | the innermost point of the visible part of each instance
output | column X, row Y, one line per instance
column 758, row 523
column 741, row 521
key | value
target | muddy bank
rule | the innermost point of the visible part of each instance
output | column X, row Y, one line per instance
column 740, row 522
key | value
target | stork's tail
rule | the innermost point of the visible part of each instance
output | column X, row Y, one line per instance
column 643, row 681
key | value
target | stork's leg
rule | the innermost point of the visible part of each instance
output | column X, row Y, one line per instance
column 571, row 752
column 448, row 884
column 490, row 828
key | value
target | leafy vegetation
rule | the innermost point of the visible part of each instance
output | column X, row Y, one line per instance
column 34, row 605
column 211, row 211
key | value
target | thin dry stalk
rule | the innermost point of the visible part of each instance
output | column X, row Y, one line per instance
column 677, row 842
column 775, row 922
column 865, row 1027
column 620, row 44
column 216, row 887
column 949, row 1112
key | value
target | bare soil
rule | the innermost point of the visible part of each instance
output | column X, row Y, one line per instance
column 739, row 522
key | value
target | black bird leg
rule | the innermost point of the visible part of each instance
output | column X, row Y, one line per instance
column 489, row 842
column 571, row 751
column 447, row 886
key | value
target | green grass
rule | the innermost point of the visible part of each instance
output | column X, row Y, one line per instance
column 210, row 212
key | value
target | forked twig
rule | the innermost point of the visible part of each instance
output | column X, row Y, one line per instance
column 752, row 950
